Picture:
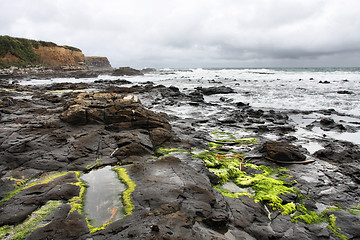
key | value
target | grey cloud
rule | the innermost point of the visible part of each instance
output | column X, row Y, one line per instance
column 177, row 33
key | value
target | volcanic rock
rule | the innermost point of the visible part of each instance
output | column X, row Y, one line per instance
column 216, row 90
column 121, row 113
column 126, row 71
column 282, row 152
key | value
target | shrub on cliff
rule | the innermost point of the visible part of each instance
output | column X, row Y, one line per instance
column 19, row 47
column 23, row 49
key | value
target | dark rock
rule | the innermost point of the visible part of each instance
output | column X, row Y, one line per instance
column 352, row 170
column 196, row 96
column 174, row 204
column 67, row 86
column 341, row 156
column 160, row 136
column 327, row 122
column 170, row 92
column 347, row 223
column 345, row 92
column 282, row 152
column 97, row 63
column 215, row 90
column 74, row 226
column 24, row 203
column 242, row 105
column 126, row 71
column 112, row 109
column 148, row 70
column 86, row 74
column 118, row 81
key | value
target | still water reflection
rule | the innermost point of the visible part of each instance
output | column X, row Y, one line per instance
column 103, row 202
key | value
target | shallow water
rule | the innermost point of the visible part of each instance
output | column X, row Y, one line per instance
column 103, row 201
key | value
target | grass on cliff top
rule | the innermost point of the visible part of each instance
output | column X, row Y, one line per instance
column 24, row 49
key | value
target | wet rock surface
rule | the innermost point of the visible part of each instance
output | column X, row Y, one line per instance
column 69, row 127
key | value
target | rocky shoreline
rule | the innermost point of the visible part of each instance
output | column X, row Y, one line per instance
column 51, row 134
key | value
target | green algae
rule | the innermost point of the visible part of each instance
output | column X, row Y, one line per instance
column 355, row 210
column 224, row 135
column 230, row 194
column 31, row 223
column 77, row 202
column 29, row 184
column 97, row 163
column 213, row 146
column 126, row 195
column 332, row 226
column 267, row 185
column 311, row 217
column 161, row 152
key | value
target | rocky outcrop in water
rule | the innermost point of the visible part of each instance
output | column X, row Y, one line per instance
column 126, row 71
column 97, row 63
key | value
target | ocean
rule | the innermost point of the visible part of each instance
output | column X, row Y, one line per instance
column 270, row 88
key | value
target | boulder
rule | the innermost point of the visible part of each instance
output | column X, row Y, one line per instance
column 121, row 113
column 282, row 152
column 126, row 71
column 216, row 90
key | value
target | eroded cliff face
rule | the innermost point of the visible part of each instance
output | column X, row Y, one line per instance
column 22, row 52
column 61, row 58
column 97, row 63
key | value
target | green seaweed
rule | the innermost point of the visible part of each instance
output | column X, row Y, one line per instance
column 355, row 210
column 224, row 137
column 247, row 141
column 29, row 184
column 77, row 202
column 220, row 134
column 332, row 226
column 230, row 194
column 267, row 186
column 31, row 223
column 126, row 195
column 214, row 146
column 97, row 163
column 160, row 152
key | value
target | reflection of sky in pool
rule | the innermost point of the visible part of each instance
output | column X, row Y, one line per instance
column 103, row 202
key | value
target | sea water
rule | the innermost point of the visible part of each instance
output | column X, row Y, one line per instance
column 271, row 88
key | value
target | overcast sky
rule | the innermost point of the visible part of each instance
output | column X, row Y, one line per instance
column 195, row 33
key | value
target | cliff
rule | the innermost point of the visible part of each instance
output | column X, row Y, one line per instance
column 23, row 52
column 59, row 57
column 97, row 63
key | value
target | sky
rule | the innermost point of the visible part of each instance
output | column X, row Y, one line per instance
column 195, row 33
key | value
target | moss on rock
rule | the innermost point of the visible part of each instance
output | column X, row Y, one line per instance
column 30, row 224
column 126, row 195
